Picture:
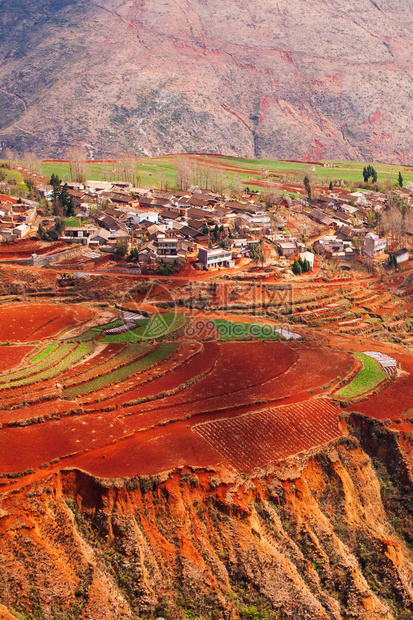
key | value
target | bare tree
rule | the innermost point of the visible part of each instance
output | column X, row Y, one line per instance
column 162, row 179
column 32, row 162
column 183, row 172
column 9, row 155
column 77, row 157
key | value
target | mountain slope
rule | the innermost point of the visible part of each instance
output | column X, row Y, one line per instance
column 325, row 537
column 274, row 78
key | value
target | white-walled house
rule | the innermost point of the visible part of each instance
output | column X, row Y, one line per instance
column 308, row 256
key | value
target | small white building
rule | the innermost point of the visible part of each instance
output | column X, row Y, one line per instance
column 21, row 230
column 211, row 258
column 143, row 216
column 373, row 245
column 401, row 255
column 308, row 256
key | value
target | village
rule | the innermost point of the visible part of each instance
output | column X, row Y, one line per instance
column 149, row 231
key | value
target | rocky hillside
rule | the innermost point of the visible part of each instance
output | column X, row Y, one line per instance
column 268, row 78
column 327, row 536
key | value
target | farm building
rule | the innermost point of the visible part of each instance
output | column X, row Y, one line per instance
column 287, row 248
column 211, row 258
column 373, row 245
column 79, row 234
column 308, row 256
column 401, row 255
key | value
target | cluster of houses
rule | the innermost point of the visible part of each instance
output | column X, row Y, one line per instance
column 346, row 217
column 17, row 217
column 210, row 229
column 165, row 227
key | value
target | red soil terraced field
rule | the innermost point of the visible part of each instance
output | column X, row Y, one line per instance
column 395, row 400
column 246, row 375
column 10, row 357
column 194, row 383
column 26, row 247
column 32, row 322
column 257, row 438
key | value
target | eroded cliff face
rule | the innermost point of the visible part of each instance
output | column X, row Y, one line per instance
column 269, row 78
column 325, row 536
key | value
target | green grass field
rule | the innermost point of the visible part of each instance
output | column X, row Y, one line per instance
column 159, row 326
column 75, row 221
column 159, row 171
column 152, row 172
column 245, row 331
column 15, row 179
column 369, row 376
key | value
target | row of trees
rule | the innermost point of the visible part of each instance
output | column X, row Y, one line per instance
column 369, row 172
column 397, row 219
column 300, row 266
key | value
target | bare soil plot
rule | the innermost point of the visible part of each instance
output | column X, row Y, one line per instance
column 29, row 322
column 10, row 357
column 254, row 439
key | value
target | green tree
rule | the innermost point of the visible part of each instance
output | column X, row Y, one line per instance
column 55, row 183
column 59, row 226
column 297, row 269
column 256, row 253
column 121, row 246
column 369, row 172
column 41, row 232
column 307, row 186
column 331, row 186
column 400, row 180
column 392, row 262
column 66, row 201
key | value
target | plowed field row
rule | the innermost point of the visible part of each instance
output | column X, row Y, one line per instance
column 254, row 439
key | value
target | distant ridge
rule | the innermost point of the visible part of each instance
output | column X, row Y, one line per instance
column 278, row 79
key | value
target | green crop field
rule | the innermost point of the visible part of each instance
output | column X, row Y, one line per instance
column 245, row 331
column 159, row 326
column 369, row 376
column 50, row 356
column 154, row 172
column 67, row 362
column 52, row 347
column 120, row 374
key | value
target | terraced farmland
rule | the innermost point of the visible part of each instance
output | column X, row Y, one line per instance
column 34, row 322
column 257, row 438
column 101, row 400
